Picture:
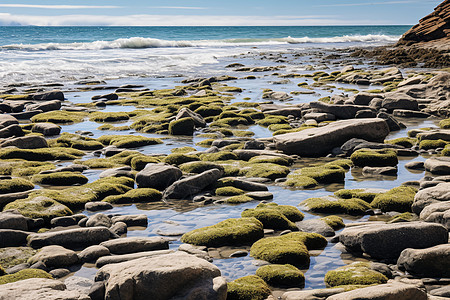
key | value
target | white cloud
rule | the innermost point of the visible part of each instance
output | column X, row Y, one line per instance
column 179, row 20
column 57, row 6
column 178, row 7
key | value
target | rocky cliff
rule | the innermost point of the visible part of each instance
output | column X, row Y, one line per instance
column 433, row 30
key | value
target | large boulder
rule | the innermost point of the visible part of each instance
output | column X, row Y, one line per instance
column 157, row 176
column 55, row 257
column 172, row 276
column 12, row 219
column 136, row 244
column 47, row 129
column 388, row 291
column 53, row 95
column 25, row 142
column 347, row 111
column 6, row 120
column 383, row 241
column 438, row 165
column 71, row 238
column 44, row 106
column 13, row 238
column 331, row 136
column 429, row 262
column 11, row 130
column 192, row 185
column 435, row 194
column 39, row 288
column 395, row 100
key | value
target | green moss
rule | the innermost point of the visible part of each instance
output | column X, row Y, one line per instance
column 271, row 159
column 324, row 174
column 374, row 158
column 13, row 256
column 139, row 162
column 243, row 231
column 209, row 110
column 446, row 151
column 238, row 199
column 290, row 212
column 243, row 133
column 404, row 217
column 346, row 164
column 299, row 181
column 397, row 199
column 41, row 154
column 281, row 275
column 59, row 117
column 228, row 122
column 39, row 207
column 445, row 124
column 329, row 205
column 270, row 218
column 128, row 141
column 179, row 158
column 334, row 222
column 270, row 120
column 15, row 185
column 275, row 127
column 60, row 178
column 432, row 144
column 99, row 163
column 99, row 116
column 19, row 167
column 232, row 147
column 221, row 155
column 291, row 248
column 183, row 126
column 265, row 170
column 403, row 141
column 363, row 194
column 24, row 274
column 249, row 287
column 185, row 149
column 136, row 196
column 113, row 128
column 205, row 143
column 199, row 167
column 229, row 191
column 76, row 141
column 354, row 274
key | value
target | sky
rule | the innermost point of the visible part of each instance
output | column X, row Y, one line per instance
column 214, row 13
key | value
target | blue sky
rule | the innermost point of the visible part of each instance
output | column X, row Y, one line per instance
column 210, row 12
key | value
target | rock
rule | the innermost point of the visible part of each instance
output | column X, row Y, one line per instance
column 119, row 228
column 47, row 129
column 246, row 185
column 131, row 220
column 96, row 206
column 59, row 273
column 311, row 294
column 389, row 171
column 439, row 134
column 383, row 241
column 248, row 154
column 25, row 142
column 12, row 238
column 277, row 96
column 429, row 262
column 172, row 276
column 317, row 226
column 415, row 165
column 260, row 196
column 333, row 135
column 362, row 98
column 111, row 96
column 69, row 168
column 99, row 220
column 187, row 113
column 395, row 100
column 53, row 95
column 118, row 172
column 66, row 221
column 72, row 238
column 254, row 144
column 192, row 185
column 136, row 244
column 392, row 290
column 79, row 284
column 346, row 111
column 25, row 115
column 365, row 114
column 11, row 197
column 441, row 292
column 285, row 111
column 393, row 124
column 92, row 253
column 6, row 120
column 44, row 106
column 184, row 126
column 404, row 113
column 13, row 219
column 438, row 165
column 157, row 176
column 115, row 259
column 10, row 131
column 55, row 257
column 39, row 288
column 320, row 117
column 435, row 194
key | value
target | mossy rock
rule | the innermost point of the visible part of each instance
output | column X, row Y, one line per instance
column 404, row 217
column 24, row 274
column 334, row 222
column 250, row 287
column 128, row 141
column 291, row 248
column 446, row 151
column 179, row 158
column 286, row 276
column 59, row 117
column 102, row 117
column 243, row 231
column 275, row 127
column 185, row 149
column 139, row 162
column 229, row 191
column 406, row 142
column 2, row 271
column 113, row 128
column 300, row 181
column 39, row 207
column 324, row 174
column 432, row 144
column 221, row 155
column 265, row 170
column 13, row 256
column 209, row 110
column 271, row 159
column 144, row 195
column 99, row 163
column 20, row 167
column 270, row 218
column 183, row 126
column 330, row 205
column 76, row 141
column 445, row 124
column 270, row 120
column 374, row 158
column 365, row 194
column 15, row 185
column 354, row 274
column 397, row 199
column 238, row 199
column 198, row 167
column 60, row 178
column 41, row 154
column 346, row 164
column 291, row 212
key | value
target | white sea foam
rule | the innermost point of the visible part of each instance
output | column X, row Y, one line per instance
column 142, row 43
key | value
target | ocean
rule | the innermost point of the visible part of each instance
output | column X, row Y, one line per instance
column 35, row 55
